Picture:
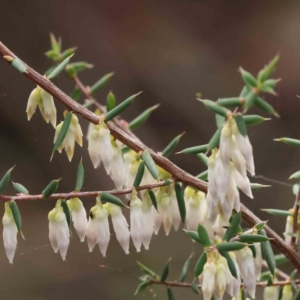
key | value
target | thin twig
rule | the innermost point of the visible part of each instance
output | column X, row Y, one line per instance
column 75, row 194
column 133, row 143
column 273, row 180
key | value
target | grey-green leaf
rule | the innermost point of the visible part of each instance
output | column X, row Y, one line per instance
column 203, row 158
column 165, row 272
column 180, row 201
column 233, row 227
column 240, row 122
column 153, row 198
column 195, row 288
column 200, row 264
column 147, row 271
column 150, row 164
column 170, row 294
column 111, row 199
column 277, row 212
column 267, row 253
column 5, row 179
column 230, row 263
column 80, row 176
column 203, row 236
column 67, row 212
column 252, row 238
column 254, row 119
column 194, row 150
column 59, row 68
column 170, row 148
column 100, row 83
column 50, row 188
column 19, row 65
column 19, row 188
column 142, row 118
column 16, row 215
column 110, row 101
column 203, row 175
column 230, row 246
column 214, row 141
column 142, row 286
column 184, row 269
column 139, row 175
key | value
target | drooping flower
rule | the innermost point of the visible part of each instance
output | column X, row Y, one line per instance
column 287, row 293
column 271, row 292
column 148, row 220
column 136, row 221
column 79, row 219
column 120, row 226
column 74, row 134
column 165, row 209
column 207, row 279
column 59, row 234
column 98, row 228
column 10, row 232
column 176, row 218
column 258, row 261
column 44, row 101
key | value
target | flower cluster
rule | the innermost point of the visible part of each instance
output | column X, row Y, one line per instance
column 227, row 171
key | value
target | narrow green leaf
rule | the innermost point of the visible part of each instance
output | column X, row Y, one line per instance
column 258, row 186
column 76, row 94
column 203, row 158
column 252, row 238
column 120, row 108
column 200, row 264
column 165, row 272
column 142, row 286
column 243, row 294
column 220, row 121
column 203, row 236
column 234, row 101
column 125, row 150
column 268, row 70
column 280, row 259
column 214, row 107
column 265, row 106
column 19, row 188
column 194, row 150
column 295, row 189
column 139, row 175
column 80, row 176
column 147, row 271
column 277, row 212
column 295, row 175
column 203, row 175
column 195, row 288
column 142, row 118
column 214, row 141
column 153, row 198
column 230, row 264
column 254, row 119
column 67, row 212
column 110, row 101
column 180, row 201
column 184, row 269
column 250, row 100
column 80, row 66
column 244, row 92
column 230, row 246
column 253, row 249
column 63, row 132
column 267, row 253
column 170, row 294
column 50, row 188
column 260, row 226
column 194, row 235
column 169, row 149
column 19, row 65
column 233, row 227
column 248, row 78
column 67, row 53
column 51, row 54
column 56, row 45
column 150, row 164
column 107, row 197
column 265, row 276
column 49, row 70
column 5, row 179
column 241, row 124
column 297, row 296
column 16, row 215
column 59, row 68
column 100, row 83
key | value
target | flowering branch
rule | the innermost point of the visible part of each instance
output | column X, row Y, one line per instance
column 136, row 145
column 75, row 194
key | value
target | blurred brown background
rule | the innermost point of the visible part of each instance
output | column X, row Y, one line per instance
column 169, row 50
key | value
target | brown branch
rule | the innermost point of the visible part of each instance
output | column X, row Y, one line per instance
column 295, row 221
column 136, row 145
column 189, row 285
column 22, row 197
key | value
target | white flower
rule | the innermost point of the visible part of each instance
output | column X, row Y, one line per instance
column 44, row 100
column 289, row 228
column 271, row 292
column 165, row 209
column 117, row 169
column 136, row 221
column 74, row 134
column 132, row 170
column 287, row 293
column 157, row 220
column 9, row 233
column 258, row 261
column 247, row 267
column 59, row 234
column 129, row 157
column 106, row 150
column 94, row 144
column 79, row 219
column 98, row 228
column 148, row 220
column 207, row 279
column 120, row 226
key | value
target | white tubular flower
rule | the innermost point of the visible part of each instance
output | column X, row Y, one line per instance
column 136, row 221
column 44, row 100
column 117, row 169
column 271, row 292
column 289, row 227
column 157, row 220
column 132, row 170
column 258, row 261
column 79, row 219
column 120, row 226
column 91, row 233
column 220, row 224
column 208, row 279
column 247, row 267
column 9, row 233
column 165, row 209
column 94, row 144
column 176, row 218
column 59, row 234
column 147, row 216
column 234, row 288
column 74, row 134
column 128, row 158
column 106, row 150
column 242, row 182
column 287, row 293
column 226, row 144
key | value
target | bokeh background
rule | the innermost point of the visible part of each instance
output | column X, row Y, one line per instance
column 170, row 50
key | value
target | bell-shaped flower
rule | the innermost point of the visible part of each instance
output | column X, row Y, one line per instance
column 79, row 219
column 258, row 261
column 246, row 263
column 120, row 226
column 136, row 221
column 117, row 168
column 74, row 134
column 44, row 100
column 59, row 234
column 106, row 150
column 271, row 292
column 98, row 228
column 208, row 279
column 132, row 171
column 148, row 220
column 9, row 233
column 94, row 144
column 128, row 158
column 287, row 293
column 165, row 209
column 157, row 220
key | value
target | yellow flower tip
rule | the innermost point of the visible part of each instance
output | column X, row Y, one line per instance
column 8, row 58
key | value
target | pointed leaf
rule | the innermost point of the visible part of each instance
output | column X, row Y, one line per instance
column 153, row 198
column 194, row 235
column 252, row 238
column 50, row 188
column 195, row 288
column 19, row 188
column 107, row 197
column 241, row 124
column 265, row 106
column 214, row 107
column 277, row 212
column 254, row 119
column 194, row 150
column 220, row 121
column 142, row 286
column 100, row 83
column 203, row 175
column 214, row 141
column 19, row 65
column 150, row 164
column 203, row 236
column 165, row 272
column 76, row 94
column 234, row 101
column 250, row 100
column 230, row 264
column 280, row 259
column 200, row 264
column 5, row 179
column 170, row 294
column 67, row 212
column 203, row 158
column 233, row 227
column 59, row 68
column 267, row 253
column 258, row 186
column 80, row 176
column 289, row 141
column 184, row 269
column 248, row 78
column 268, row 70
column 230, row 246
column 180, row 201
column 295, row 175
column 110, row 101
column 147, row 271
column 16, row 215
column 169, row 149
column 139, row 175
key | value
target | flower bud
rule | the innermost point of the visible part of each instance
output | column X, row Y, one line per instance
column 33, row 101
